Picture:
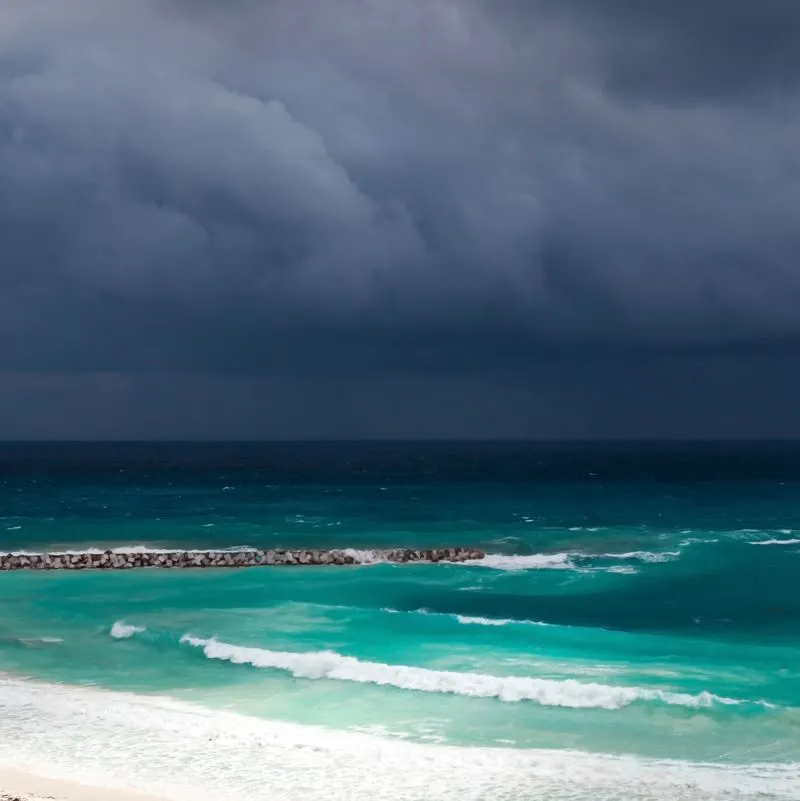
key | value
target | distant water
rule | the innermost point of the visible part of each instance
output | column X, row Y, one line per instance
column 634, row 633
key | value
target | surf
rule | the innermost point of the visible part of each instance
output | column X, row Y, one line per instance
column 569, row 693
column 186, row 752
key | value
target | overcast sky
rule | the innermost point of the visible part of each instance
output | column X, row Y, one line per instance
column 399, row 218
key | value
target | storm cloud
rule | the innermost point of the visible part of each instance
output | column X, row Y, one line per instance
column 511, row 201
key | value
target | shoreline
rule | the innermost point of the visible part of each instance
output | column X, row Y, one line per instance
column 16, row 785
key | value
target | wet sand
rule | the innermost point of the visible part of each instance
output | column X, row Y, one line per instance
column 19, row 786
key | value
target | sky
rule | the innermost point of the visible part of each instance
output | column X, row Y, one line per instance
column 261, row 219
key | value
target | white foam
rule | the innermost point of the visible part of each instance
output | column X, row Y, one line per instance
column 466, row 620
column 491, row 621
column 777, row 542
column 126, row 549
column 547, row 692
column 626, row 570
column 570, row 560
column 482, row 621
column 124, row 631
column 187, row 753
column 642, row 556
column 362, row 557
column 536, row 561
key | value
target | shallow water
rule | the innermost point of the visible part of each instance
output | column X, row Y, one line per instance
column 635, row 632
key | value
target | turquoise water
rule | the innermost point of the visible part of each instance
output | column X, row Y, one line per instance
column 634, row 633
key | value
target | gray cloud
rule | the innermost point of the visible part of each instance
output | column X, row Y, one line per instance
column 716, row 51
column 401, row 189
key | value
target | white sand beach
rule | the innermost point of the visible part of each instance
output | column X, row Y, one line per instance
column 18, row 786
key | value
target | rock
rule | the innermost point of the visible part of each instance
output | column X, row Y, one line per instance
column 224, row 559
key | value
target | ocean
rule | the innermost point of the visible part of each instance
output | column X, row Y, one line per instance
column 633, row 633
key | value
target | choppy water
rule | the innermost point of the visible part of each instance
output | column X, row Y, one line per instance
column 635, row 633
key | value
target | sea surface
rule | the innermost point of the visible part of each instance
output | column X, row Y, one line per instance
column 634, row 632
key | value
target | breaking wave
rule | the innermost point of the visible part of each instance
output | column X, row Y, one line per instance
column 547, row 692
column 184, row 752
column 362, row 557
column 124, row 631
column 778, row 542
column 570, row 560
column 651, row 557
column 536, row 561
column 466, row 620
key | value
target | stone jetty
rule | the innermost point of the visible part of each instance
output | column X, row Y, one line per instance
column 127, row 560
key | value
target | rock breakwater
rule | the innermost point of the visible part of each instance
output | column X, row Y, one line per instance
column 122, row 560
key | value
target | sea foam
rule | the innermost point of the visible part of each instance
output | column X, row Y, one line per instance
column 128, row 549
column 778, row 542
column 536, row 561
column 467, row 620
column 124, row 631
column 569, row 560
column 651, row 557
column 185, row 752
column 547, row 692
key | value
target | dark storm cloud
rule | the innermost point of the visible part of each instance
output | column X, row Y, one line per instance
column 714, row 51
column 262, row 187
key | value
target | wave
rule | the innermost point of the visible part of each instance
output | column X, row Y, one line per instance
column 778, row 542
column 536, row 561
column 362, row 557
column 124, row 631
column 651, row 557
column 546, row 692
column 465, row 620
column 482, row 621
column 570, row 560
column 35, row 642
column 183, row 751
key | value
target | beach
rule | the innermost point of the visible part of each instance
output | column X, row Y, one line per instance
column 19, row 786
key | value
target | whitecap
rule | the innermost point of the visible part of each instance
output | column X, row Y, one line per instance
column 570, row 560
column 466, row 620
column 362, row 556
column 536, row 561
column 123, row 631
column 546, row 692
column 482, row 621
column 642, row 556
column 777, row 542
